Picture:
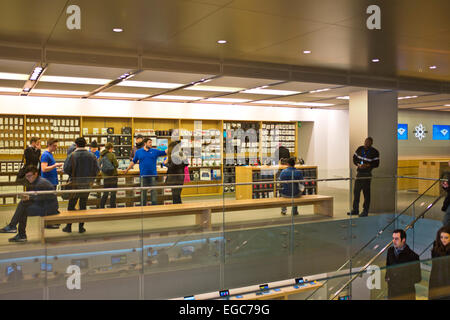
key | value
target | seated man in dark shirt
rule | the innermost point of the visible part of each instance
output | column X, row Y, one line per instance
column 32, row 205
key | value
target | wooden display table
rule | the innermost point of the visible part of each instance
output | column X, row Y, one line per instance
column 268, row 175
column 279, row 294
column 409, row 167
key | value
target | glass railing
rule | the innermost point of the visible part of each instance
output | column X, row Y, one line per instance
column 227, row 232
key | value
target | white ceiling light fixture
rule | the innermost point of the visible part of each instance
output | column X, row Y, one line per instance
column 13, row 76
column 77, row 80
column 227, row 100
column 121, row 95
column 60, row 92
column 433, row 67
column 306, row 51
column 201, row 87
column 376, row 60
column 407, row 97
column 169, row 97
column 319, row 90
column 271, row 92
column 149, row 84
column 343, row 98
column 10, row 90
column 221, row 41
column 118, row 30
column 36, row 73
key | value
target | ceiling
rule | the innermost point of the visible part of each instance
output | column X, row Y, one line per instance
column 174, row 43
column 76, row 81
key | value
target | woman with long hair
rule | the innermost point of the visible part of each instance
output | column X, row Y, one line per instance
column 175, row 163
column 439, row 284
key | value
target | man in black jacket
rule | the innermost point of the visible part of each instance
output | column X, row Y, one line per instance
column 33, row 205
column 446, row 204
column 401, row 279
column 365, row 158
column 82, row 167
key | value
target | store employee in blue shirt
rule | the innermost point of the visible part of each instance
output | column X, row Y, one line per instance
column 49, row 167
column 146, row 157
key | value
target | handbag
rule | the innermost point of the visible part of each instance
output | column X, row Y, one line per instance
column 187, row 177
column 69, row 183
column 20, row 178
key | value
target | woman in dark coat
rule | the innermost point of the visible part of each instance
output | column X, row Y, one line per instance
column 439, row 284
column 175, row 164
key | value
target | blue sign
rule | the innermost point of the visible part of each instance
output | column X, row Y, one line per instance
column 402, row 131
column 441, row 132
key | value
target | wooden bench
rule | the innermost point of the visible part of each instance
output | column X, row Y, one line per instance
column 323, row 205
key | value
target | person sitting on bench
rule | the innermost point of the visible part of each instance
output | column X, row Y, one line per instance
column 32, row 205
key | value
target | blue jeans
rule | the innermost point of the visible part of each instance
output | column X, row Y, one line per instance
column 148, row 182
column 294, row 208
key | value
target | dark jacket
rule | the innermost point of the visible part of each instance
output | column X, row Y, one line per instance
column 71, row 149
column 85, row 168
column 112, row 157
column 446, row 175
column 48, row 202
column 370, row 156
column 291, row 189
column 401, row 279
column 175, row 172
column 439, row 284
column 32, row 156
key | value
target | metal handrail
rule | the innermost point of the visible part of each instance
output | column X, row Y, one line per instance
column 378, row 234
column 363, row 269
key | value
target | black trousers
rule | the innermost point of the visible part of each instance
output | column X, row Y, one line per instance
column 23, row 210
column 74, row 198
column 176, row 195
column 110, row 182
column 364, row 185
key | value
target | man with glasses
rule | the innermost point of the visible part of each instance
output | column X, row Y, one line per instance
column 32, row 205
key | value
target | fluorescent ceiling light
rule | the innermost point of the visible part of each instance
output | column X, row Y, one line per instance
column 77, row 80
column 148, row 84
column 117, row 29
column 168, row 97
column 313, row 104
column 13, row 76
column 63, row 92
column 433, row 67
column 319, row 90
column 306, row 51
column 4, row 89
column 271, row 92
column 36, row 73
column 343, row 98
column 230, row 100
column 274, row 102
column 222, row 41
column 407, row 97
column 213, row 88
column 375, row 60
column 121, row 95
column 446, row 105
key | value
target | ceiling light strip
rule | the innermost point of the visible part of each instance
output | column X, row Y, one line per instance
column 114, row 82
column 35, row 75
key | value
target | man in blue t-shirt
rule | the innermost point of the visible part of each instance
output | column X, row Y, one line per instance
column 49, row 167
column 146, row 157
column 292, row 189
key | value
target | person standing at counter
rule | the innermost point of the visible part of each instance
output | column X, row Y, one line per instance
column 108, row 166
column 176, row 164
column 291, row 189
column 48, row 164
column 146, row 157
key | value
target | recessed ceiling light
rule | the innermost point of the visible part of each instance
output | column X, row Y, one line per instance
column 168, row 97
column 117, row 29
column 222, row 41
column 343, row 98
column 121, row 95
column 306, row 51
column 433, row 67
column 77, row 80
column 13, row 76
column 376, row 60
column 271, row 92
column 4, row 89
column 214, row 88
column 148, row 84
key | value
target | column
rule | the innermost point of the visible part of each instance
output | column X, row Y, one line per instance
column 374, row 114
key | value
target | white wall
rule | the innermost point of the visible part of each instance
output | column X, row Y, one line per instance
column 329, row 144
